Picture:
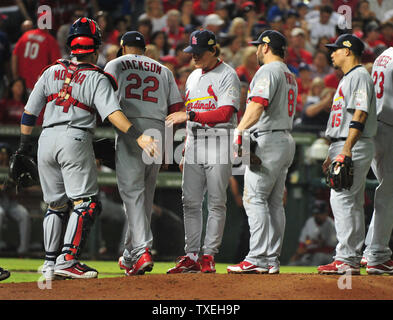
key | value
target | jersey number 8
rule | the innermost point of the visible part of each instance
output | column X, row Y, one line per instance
column 137, row 83
column 291, row 102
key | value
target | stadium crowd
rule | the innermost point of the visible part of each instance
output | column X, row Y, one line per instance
column 25, row 49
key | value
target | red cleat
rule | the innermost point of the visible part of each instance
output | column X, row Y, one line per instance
column 208, row 264
column 144, row 264
column 338, row 267
column 386, row 267
column 77, row 271
column 246, row 267
column 185, row 264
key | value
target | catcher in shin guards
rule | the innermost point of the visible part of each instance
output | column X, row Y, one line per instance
column 73, row 91
column 351, row 127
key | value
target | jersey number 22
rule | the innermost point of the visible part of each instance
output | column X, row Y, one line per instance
column 153, row 85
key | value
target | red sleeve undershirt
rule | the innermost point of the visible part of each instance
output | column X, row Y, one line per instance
column 260, row 100
column 211, row 118
column 175, row 107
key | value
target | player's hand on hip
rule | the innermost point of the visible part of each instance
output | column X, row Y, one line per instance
column 148, row 145
column 176, row 118
column 326, row 164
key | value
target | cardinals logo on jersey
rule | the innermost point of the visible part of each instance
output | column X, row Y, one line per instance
column 211, row 92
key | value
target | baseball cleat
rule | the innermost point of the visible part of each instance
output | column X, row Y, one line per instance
column 246, row 267
column 338, row 267
column 4, row 274
column 274, row 269
column 363, row 262
column 185, row 264
column 207, row 264
column 48, row 272
column 77, row 271
column 386, row 267
column 144, row 264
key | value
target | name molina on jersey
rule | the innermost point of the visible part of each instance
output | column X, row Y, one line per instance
column 141, row 65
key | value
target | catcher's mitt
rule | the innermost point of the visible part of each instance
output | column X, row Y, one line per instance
column 340, row 173
column 23, row 170
column 104, row 150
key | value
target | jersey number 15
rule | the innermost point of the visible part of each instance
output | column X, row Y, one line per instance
column 153, row 85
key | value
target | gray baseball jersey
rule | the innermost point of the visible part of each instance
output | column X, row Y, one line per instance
column 264, row 185
column 312, row 231
column 89, row 87
column 355, row 91
column 148, row 88
column 277, row 84
column 206, row 165
column 380, row 229
column 382, row 74
column 207, row 91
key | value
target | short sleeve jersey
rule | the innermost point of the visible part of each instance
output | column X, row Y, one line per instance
column 89, row 87
column 354, row 92
column 382, row 75
column 147, row 89
column 275, row 83
column 325, row 232
column 34, row 51
column 211, row 90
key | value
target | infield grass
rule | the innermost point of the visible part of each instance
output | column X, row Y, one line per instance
column 26, row 270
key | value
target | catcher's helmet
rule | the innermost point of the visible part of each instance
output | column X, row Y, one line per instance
column 84, row 36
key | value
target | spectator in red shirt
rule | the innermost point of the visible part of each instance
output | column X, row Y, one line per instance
column 203, row 8
column 249, row 66
column 304, row 81
column 296, row 51
column 34, row 50
column 333, row 79
column 171, row 4
column 12, row 107
column 173, row 29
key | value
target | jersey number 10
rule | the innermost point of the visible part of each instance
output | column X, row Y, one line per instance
column 137, row 83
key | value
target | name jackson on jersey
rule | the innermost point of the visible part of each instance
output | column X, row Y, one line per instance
column 140, row 65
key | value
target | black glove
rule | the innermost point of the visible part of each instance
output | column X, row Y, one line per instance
column 340, row 173
column 104, row 150
column 25, row 145
column 23, row 170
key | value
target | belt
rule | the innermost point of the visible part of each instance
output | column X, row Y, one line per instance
column 337, row 139
column 201, row 132
column 258, row 133
column 66, row 124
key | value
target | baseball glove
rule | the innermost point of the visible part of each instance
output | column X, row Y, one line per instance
column 104, row 150
column 23, row 171
column 340, row 173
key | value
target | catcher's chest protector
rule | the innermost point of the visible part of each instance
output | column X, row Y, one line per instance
column 72, row 73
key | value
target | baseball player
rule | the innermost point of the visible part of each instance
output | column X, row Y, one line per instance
column 73, row 91
column 378, row 253
column 147, row 93
column 268, row 119
column 212, row 101
column 351, row 127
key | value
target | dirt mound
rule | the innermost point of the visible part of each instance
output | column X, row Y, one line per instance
column 207, row 287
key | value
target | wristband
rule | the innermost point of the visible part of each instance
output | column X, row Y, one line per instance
column 191, row 115
column 356, row 125
column 133, row 133
column 28, row 119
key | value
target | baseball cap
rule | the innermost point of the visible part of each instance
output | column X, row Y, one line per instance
column 319, row 206
column 349, row 41
column 273, row 38
column 304, row 66
column 297, row 31
column 213, row 19
column 248, row 6
column 200, row 41
column 132, row 39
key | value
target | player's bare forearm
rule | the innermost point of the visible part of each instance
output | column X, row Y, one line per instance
column 354, row 134
column 26, row 130
column 120, row 121
column 251, row 116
